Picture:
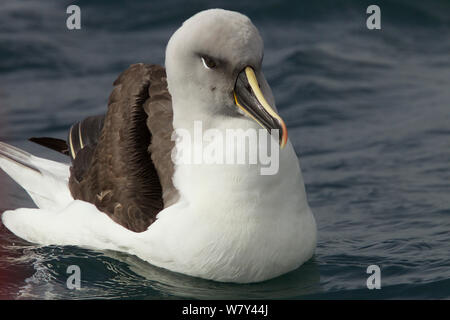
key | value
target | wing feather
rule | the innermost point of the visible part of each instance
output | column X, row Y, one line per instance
column 120, row 160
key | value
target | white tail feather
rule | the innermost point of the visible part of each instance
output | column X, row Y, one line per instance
column 45, row 181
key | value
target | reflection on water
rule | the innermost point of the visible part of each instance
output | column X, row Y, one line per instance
column 106, row 274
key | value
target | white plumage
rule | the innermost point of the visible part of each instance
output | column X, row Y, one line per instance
column 230, row 224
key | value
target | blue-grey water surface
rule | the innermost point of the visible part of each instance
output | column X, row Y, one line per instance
column 368, row 112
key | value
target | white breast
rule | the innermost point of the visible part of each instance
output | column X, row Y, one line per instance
column 236, row 225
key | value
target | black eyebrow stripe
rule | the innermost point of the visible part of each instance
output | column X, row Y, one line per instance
column 218, row 61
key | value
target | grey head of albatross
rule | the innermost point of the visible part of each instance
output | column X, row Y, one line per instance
column 213, row 64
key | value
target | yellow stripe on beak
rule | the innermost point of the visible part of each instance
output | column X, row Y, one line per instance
column 251, row 77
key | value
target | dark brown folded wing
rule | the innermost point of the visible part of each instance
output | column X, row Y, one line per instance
column 122, row 161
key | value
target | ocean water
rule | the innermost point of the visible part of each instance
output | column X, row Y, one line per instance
column 368, row 112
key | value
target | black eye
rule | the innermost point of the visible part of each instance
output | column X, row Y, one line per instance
column 208, row 62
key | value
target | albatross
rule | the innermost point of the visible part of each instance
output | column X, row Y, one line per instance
column 123, row 191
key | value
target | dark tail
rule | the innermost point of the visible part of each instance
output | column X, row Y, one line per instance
column 52, row 143
column 82, row 134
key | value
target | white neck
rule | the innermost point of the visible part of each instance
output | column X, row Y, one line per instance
column 240, row 182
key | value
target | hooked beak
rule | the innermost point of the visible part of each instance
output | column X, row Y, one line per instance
column 249, row 98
